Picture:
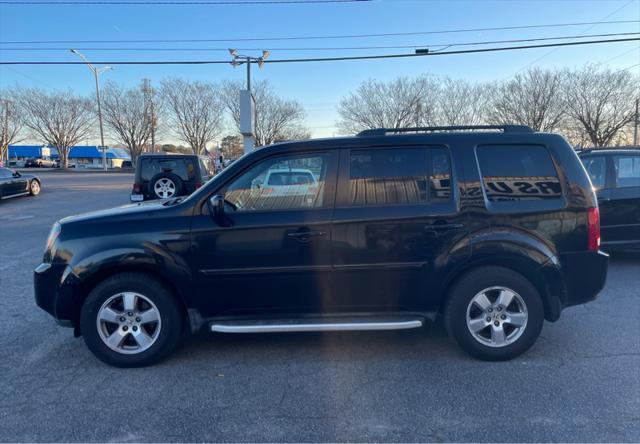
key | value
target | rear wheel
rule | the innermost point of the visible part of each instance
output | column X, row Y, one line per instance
column 131, row 320
column 494, row 313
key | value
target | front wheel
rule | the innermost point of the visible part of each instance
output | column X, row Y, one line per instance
column 130, row 320
column 494, row 313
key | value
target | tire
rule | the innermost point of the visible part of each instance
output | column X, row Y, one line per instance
column 155, row 320
column 34, row 187
column 520, row 321
column 165, row 186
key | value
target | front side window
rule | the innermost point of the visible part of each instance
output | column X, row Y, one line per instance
column 518, row 173
column 281, row 183
column 596, row 168
column 399, row 176
column 627, row 171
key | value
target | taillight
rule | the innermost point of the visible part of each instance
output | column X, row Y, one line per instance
column 593, row 228
column 136, row 187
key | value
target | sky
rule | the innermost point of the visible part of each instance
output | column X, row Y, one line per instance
column 317, row 86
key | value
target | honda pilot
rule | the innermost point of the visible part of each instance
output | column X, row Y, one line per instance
column 493, row 228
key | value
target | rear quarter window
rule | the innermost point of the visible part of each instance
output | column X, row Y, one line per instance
column 518, row 173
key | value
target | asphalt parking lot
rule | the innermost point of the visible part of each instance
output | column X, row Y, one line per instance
column 580, row 382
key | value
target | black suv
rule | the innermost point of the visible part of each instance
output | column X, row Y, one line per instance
column 494, row 228
column 615, row 174
column 164, row 176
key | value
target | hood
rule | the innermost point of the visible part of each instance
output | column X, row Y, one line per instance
column 117, row 212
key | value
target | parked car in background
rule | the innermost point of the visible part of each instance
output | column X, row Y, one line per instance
column 494, row 228
column 163, row 176
column 14, row 184
column 615, row 175
column 40, row 163
column 70, row 164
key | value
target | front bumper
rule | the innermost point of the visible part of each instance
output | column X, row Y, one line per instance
column 585, row 276
column 54, row 286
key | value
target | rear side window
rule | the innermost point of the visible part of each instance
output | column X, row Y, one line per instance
column 597, row 169
column 627, row 171
column 512, row 173
column 185, row 169
column 399, row 176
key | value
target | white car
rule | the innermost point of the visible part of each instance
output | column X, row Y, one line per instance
column 289, row 182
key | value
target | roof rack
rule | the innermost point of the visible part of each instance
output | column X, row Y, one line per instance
column 432, row 129
column 607, row 148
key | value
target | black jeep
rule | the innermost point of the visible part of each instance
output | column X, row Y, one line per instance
column 163, row 176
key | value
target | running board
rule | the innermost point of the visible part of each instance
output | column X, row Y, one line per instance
column 297, row 325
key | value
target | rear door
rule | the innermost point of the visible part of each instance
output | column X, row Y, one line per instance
column 622, row 205
column 396, row 215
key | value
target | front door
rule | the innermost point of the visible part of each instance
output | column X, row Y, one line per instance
column 272, row 254
column 395, row 217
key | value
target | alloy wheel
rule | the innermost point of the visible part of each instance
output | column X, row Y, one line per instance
column 164, row 188
column 497, row 316
column 128, row 323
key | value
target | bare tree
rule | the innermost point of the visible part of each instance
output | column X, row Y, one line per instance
column 10, row 123
column 400, row 103
column 601, row 101
column 461, row 103
column 195, row 110
column 61, row 119
column 276, row 119
column 124, row 112
column 533, row 98
column 231, row 147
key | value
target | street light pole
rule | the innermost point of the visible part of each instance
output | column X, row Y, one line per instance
column 96, row 74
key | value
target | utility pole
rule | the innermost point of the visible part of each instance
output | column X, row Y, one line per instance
column 150, row 113
column 247, row 101
column 96, row 73
column 635, row 125
column 5, row 132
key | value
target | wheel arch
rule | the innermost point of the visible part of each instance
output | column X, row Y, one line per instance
column 88, row 283
column 545, row 277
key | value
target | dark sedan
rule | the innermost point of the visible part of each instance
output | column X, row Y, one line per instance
column 14, row 184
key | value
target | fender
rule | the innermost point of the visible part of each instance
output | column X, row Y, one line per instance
column 521, row 252
column 80, row 276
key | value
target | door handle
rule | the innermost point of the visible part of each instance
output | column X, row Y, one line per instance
column 305, row 236
column 604, row 199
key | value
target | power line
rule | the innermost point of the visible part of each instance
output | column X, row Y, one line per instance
column 325, row 59
column 323, row 37
column 174, row 3
column 337, row 48
column 583, row 32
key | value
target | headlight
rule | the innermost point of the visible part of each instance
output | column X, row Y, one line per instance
column 53, row 235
